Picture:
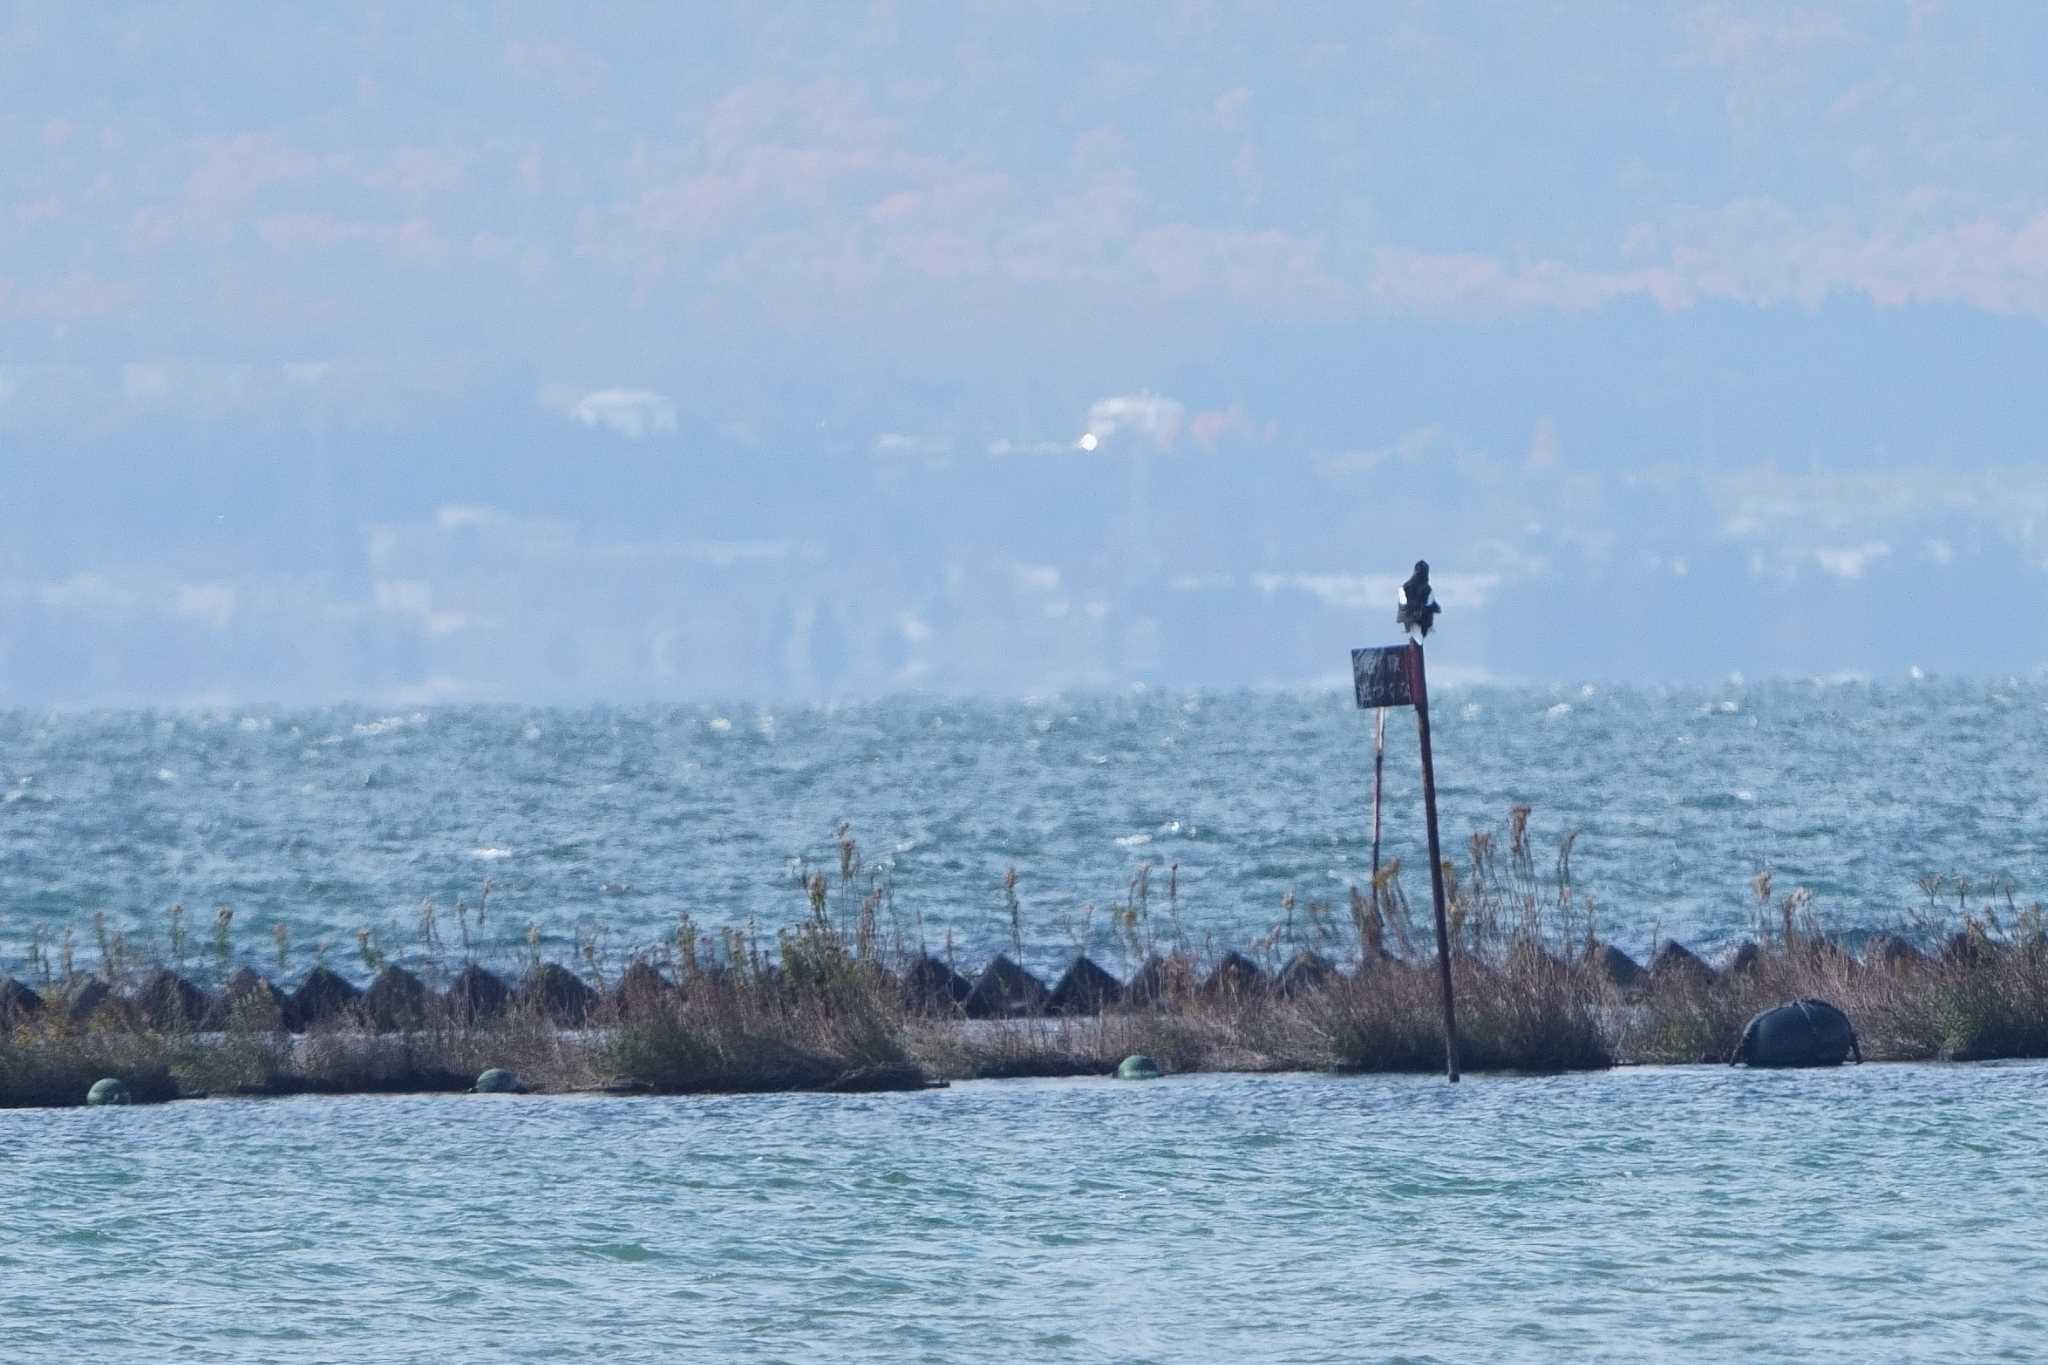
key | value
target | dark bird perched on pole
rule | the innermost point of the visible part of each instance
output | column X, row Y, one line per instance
column 1417, row 613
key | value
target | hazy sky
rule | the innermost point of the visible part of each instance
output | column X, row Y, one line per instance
column 560, row 352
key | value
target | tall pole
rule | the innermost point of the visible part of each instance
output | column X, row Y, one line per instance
column 1379, row 763
column 1418, row 684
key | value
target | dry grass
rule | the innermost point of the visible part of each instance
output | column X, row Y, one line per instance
column 1527, row 1011
column 1184, row 1035
column 827, row 1018
column 55, row 1064
column 1992, row 1003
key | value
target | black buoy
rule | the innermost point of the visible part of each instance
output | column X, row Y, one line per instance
column 1798, row 1033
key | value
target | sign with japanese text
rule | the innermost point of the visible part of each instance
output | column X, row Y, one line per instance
column 1381, row 677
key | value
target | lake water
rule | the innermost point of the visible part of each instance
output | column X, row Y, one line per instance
column 613, row 821
column 1880, row 1213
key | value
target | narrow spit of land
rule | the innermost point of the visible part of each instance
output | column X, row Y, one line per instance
column 826, row 1010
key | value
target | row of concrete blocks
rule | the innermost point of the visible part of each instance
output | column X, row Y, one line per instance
column 395, row 999
column 1673, row 962
column 1005, row 989
column 398, row 999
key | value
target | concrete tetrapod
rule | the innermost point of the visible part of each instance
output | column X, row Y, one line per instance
column 1137, row 1067
column 17, row 1002
column 168, row 1003
column 1085, row 989
column 1005, row 991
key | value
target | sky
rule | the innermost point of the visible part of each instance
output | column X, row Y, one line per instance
column 560, row 353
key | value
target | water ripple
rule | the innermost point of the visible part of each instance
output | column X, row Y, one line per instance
column 1855, row 791
column 1835, row 1216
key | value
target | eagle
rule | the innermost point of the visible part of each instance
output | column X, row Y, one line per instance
column 1417, row 613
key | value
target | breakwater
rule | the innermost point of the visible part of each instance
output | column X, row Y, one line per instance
column 825, row 1016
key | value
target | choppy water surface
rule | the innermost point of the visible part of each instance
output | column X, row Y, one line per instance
column 1692, row 1214
column 334, row 819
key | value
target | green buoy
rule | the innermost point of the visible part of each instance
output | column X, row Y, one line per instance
column 107, row 1091
column 499, row 1081
column 1137, row 1067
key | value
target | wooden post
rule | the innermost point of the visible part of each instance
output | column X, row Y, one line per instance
column 1418, row 684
